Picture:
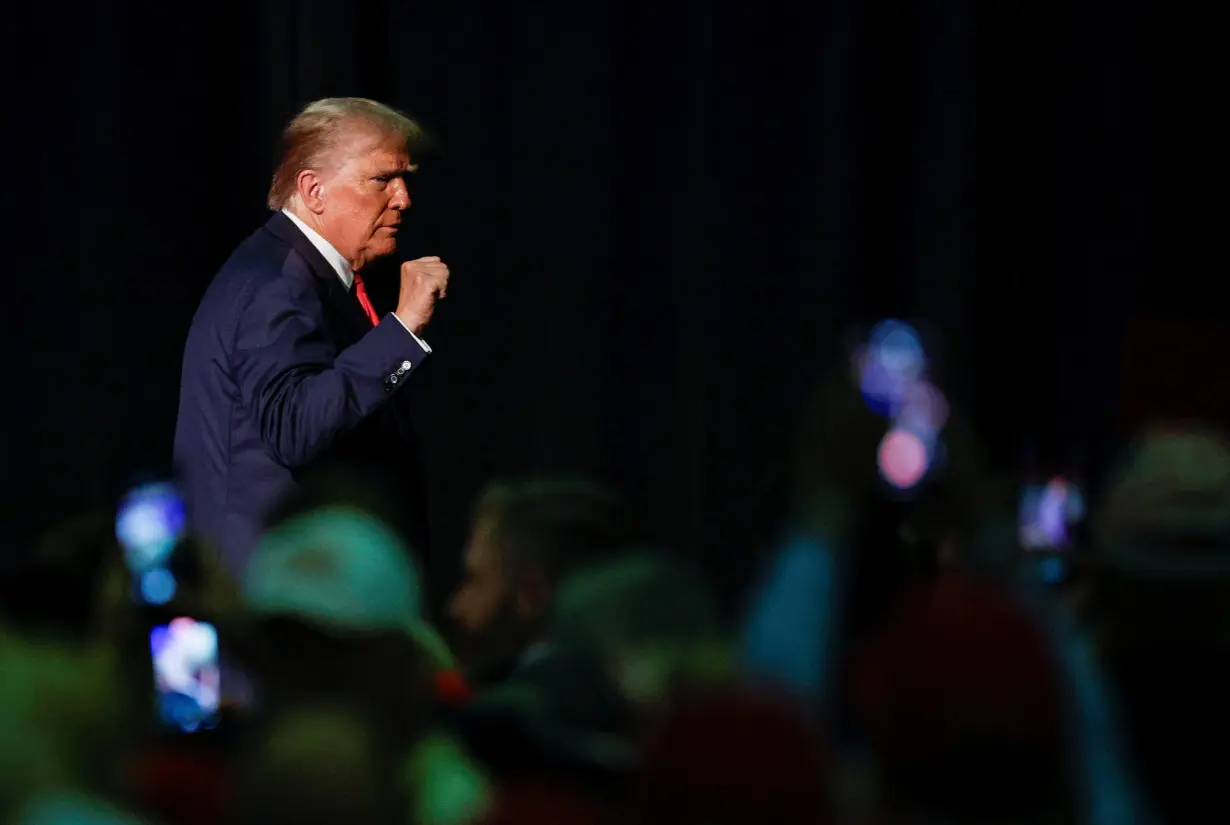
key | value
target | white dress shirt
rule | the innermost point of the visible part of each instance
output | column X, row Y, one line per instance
column 340, row 265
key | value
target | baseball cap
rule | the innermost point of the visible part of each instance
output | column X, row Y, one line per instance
column 1166, row 513
column 337, row 567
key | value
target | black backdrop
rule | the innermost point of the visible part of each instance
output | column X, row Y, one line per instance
column 660, row 217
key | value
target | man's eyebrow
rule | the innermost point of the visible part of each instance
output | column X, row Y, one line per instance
column 395, row 171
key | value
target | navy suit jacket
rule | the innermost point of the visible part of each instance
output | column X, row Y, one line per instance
column 284, row 375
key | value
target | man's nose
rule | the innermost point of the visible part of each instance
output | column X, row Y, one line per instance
column 401, row 195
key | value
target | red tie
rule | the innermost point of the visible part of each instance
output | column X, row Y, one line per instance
column 360, row 292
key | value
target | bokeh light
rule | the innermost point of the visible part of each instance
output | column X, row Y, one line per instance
column 923, row 408
column 1048, row 512
column 1052, row 570
column 902, row 459
column 891, row 370
column 149, row 524
column 157, row 586
column 898, row 346
column 186, row 670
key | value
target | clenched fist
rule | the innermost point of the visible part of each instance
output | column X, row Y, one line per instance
column 423, row 282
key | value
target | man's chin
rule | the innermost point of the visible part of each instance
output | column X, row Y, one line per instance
column 379, row 250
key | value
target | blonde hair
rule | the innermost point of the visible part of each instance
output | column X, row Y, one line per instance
column 315, row 131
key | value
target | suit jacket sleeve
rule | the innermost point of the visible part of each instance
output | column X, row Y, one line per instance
column 303, row 389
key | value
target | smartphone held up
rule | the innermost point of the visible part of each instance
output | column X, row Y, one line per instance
column 1049, row 517
column 187, row 673
column 164, row 567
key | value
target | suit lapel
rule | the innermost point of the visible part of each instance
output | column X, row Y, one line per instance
column 344, row 302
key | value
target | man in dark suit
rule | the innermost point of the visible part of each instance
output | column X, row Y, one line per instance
column 288, row 369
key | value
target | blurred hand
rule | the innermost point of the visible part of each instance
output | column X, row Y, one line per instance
column 837, row 470
column 423, row 282
column 835, row 460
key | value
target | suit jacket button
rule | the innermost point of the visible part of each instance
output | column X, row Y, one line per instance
column 392, row 379
column 405, row 366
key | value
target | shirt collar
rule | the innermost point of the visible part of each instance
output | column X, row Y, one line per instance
column 335, row 259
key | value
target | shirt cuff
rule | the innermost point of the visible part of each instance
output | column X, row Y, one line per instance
column 420, row 341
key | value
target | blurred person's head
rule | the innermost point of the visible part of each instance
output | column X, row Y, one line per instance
column 63, row 718
column 343, row 486
column 72, row 585
column 1160, row 567
column 624, row 638
column 339, row 484
column 336, row 603
column 76, row 676
column 1172, row 484
column 560, row 716
column 735, row 757
column 344, row 169
column 653, row 622
column 1160, row 604
column 79, row 651
column 525, row 538
column 318, row 765
column 961, row 698
column 77, row 586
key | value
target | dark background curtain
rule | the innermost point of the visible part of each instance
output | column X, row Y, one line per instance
column 661, row 218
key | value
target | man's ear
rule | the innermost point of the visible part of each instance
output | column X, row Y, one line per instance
column 533, row 596
column 310, row 189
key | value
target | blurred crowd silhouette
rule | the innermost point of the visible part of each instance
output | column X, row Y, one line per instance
column 924, row 642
